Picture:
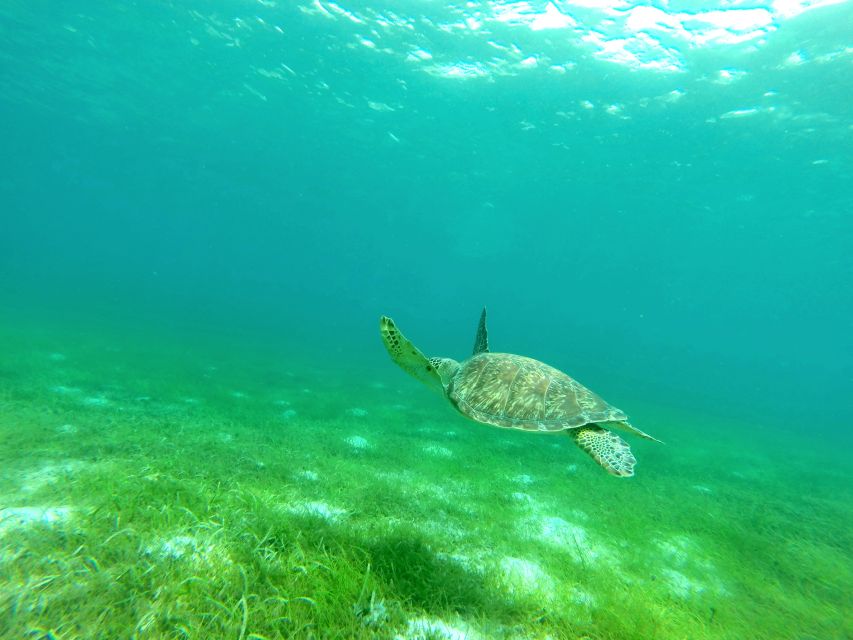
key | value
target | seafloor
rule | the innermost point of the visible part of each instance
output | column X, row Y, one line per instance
column 151, row 488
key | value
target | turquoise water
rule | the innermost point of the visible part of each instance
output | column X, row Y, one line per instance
column 206, row 206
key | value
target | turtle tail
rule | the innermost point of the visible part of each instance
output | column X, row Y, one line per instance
column 627, row 427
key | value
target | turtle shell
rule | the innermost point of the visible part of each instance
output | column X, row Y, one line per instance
column 515, row 392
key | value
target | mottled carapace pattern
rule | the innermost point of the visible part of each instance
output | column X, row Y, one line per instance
column 516, row 392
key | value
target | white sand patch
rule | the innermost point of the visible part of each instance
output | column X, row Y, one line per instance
column 683, row 556
column 438, row 451
column 310, row 476
column 357, row 442
column 12, row 518
column 384, row 525
column 318, row 509
column 396, row 477
column 357, row 412
column 65, row 391
column 436, row 491
column 526, row 578
column 49, row 473
column 96, row 401
column 680, row 585
column 568, row 536
column 437, row 629
column 448, row 490
column 444, row 529
column 583, row 598
column 582, row 603
column 177, row 547
column 678, row 549
column 189, row 548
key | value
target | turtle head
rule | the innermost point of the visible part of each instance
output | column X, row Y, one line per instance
column 434, row 372
column 446, row 368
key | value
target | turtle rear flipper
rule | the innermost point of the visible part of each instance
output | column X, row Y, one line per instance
column 607, row 449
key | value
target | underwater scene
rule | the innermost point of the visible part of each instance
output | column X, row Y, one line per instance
column 422, row 320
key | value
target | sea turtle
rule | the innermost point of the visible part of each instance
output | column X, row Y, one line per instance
column 516, row 392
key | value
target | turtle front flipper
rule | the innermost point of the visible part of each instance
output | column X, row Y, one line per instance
column 408, row 356
column 481, row 341
column 607, row 449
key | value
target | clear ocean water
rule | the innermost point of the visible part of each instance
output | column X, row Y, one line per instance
column 205, row 207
